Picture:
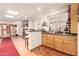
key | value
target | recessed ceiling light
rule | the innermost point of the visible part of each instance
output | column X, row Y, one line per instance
column 51, row 10
column 38, row 8
column 9, row 16
column 25, row 17
column 12, row 12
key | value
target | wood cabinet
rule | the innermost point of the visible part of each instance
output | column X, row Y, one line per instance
column 45, row 39
column 58, row 43
column 67, row 44
column 70, row 45
column 48, row 40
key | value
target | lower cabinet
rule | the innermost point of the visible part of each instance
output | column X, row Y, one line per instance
column 67, row 44
column 44, row 39
column 58, row 43
column 50, row 41
column 70, row 46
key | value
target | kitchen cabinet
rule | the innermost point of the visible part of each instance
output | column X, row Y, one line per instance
column 70, row 45
column 45, row 39
column 58, row 43
column 64, row 43
column 48, row 40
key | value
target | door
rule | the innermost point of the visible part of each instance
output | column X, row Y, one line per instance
column 6, row 31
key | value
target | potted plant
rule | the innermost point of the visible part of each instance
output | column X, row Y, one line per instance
column 66, row 30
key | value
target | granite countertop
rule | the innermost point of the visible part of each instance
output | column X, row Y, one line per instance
column 63, row 34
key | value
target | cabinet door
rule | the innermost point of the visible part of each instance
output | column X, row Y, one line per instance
column 58, row 43
column 44, row 39
column 70, row 47
column 50, row 41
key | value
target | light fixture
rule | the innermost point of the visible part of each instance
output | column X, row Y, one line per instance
column 9, row 16
column 38, row 8
column 51, row 9
column 25, row 17
column 12, row 12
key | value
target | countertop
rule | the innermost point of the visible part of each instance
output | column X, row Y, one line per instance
column 63, row 34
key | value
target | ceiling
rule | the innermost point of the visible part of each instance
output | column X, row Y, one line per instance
column 26, row 10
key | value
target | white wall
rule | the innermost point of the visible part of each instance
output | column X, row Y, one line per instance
column 19, row 28
column 35, row 24
column 31, row 24
column 58, row 21
column 53, row 20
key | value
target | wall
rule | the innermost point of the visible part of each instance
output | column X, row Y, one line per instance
column 57, row 21
column 54, row 20
column 35, row 24
column 19, row 27
column 0, row 31
column 31, row 24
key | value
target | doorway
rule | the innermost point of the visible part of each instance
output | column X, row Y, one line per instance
column 7, row 30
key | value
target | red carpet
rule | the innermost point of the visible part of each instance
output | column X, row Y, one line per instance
column 7, row 48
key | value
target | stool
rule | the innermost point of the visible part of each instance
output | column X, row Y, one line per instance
column 26, row 43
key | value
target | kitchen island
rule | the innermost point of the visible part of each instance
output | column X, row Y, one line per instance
column 34, row 39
